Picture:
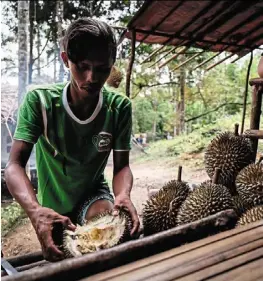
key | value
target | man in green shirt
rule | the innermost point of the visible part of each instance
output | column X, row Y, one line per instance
column 74, row 125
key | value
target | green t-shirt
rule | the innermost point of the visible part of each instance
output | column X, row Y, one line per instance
column 71, row 154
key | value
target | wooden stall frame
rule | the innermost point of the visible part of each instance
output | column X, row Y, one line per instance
column 87, row 265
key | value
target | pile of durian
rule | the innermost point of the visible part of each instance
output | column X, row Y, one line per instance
column 236, row 183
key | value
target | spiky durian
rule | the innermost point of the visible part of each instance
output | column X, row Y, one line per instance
column 249, row 184
column 231, row 153
column 160, row 211
column 240, row 206
column 205, row 200
column 251, row 215
column 115, row 77
column 101, row 232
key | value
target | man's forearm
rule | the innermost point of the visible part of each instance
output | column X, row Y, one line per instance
column 20, row 187
column 122, row 182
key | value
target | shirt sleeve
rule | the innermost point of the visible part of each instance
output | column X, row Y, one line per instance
column 29, row 123
column 122, row 138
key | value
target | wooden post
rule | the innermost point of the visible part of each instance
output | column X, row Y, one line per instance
column 216, row 176
column 129, row 70
column 236, row 129
column 179, row 176
column 256, row 110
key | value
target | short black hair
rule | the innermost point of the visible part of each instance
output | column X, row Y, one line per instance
column 86, row 34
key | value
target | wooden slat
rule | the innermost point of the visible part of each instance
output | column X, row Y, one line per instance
column 176, row 267
column 187, row 254
column 173, row 274
column 221, row 264
column 252, row 271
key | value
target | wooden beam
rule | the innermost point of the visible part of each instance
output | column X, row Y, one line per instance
column 219, row 62
column 256, row 110
column 183, row 49
column 171, row 50
column 186, row 61
column 256, row 82
column 129, row 71
column 26, row 259
column 254, row 134
column 206, row 61
column 153, row 53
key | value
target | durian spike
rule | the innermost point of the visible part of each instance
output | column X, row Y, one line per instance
column 236, row 129
column 216, row 176
column 179, row 176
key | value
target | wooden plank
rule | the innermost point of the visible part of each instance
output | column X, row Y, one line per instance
column 252, row 271
column 161, row 263
column 256, row 81
column 254, row 134
column 174, row 268
column 219, row 264
column 26, row 259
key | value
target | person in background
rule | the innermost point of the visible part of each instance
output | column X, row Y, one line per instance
column 74, row 126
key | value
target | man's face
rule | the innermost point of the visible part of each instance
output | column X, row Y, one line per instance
column 88, row 76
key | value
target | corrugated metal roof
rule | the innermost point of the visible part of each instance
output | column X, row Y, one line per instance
column 233, row 26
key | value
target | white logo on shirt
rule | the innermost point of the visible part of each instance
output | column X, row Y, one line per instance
column 102, row 141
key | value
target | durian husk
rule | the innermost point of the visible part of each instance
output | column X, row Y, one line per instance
column 249, row 184
column 160, row 211
column 205, row 200
column 231, row 153
column 101, row 232
column 252, row 215
column 240, row 206
column 115, row 77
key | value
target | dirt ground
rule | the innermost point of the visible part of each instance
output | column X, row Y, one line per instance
column 149, row 175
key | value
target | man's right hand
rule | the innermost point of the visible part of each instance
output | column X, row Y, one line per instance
column 43, row 220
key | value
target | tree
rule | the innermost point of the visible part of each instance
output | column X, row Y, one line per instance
column 60, row 18
column 23, row 19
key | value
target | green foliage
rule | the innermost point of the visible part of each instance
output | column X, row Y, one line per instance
column 143, row 115
column 10, row 215
column 195, row 142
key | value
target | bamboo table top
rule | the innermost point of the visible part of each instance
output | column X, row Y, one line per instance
column 236, row 254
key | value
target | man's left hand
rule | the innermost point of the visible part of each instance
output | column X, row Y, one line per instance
column 124, row 201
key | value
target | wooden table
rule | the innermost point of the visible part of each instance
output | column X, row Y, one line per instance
column 236, row 254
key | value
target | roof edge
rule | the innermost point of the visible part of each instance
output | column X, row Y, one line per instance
column 144, row 7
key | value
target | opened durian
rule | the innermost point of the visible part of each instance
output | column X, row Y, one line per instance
column 251, row 215
column 230, row 153
column 160, row 211
column 207, row 199
column 249, row 184
column 101, row 232
column 115, row 77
